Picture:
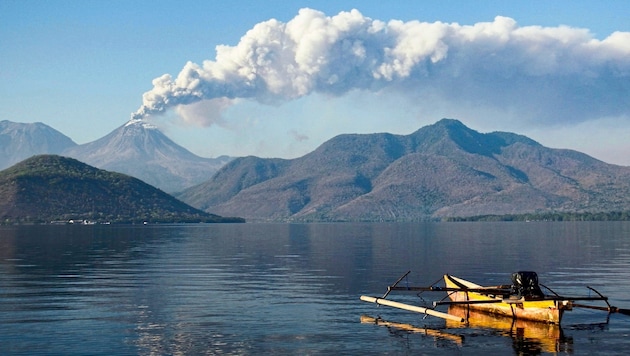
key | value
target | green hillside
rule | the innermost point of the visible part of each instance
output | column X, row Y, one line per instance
column 48, row 188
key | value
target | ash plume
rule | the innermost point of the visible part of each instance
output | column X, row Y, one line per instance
column 543, row 73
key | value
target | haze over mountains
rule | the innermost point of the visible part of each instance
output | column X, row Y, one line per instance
column 135, row 148
column 441, row 170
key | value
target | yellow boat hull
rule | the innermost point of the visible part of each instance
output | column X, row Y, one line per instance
column 544, row 310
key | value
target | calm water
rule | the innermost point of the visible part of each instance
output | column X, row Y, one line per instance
column 294, row 288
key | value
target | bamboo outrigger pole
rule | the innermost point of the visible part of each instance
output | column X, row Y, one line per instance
column 389, row 303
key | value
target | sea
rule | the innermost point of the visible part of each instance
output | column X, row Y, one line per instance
column 294, row 289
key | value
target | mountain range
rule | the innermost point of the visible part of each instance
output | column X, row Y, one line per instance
column 136, row 148
column 442, row 170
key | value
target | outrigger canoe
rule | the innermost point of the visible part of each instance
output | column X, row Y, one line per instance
column 522, row 300
column 533, row 306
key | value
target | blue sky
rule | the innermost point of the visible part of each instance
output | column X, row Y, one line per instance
column 82, row 67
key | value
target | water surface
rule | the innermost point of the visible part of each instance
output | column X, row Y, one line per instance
column 294, row 288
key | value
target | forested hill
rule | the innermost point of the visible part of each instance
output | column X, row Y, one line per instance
column 49, row 188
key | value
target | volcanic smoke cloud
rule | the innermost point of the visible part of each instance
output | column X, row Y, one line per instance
column 542, row 73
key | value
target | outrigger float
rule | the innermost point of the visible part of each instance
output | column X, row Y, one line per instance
column 522, row 300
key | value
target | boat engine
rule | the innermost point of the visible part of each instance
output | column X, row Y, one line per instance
column 525, row 284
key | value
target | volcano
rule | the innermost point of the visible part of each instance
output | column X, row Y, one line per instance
column 141, row 150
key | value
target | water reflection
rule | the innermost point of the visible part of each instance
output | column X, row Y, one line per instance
column 528, row 337
column 434, row 333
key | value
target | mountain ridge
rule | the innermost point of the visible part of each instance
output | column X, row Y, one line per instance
column 439, row 171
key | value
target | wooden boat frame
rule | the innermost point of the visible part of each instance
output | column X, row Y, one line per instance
column 495, row 300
